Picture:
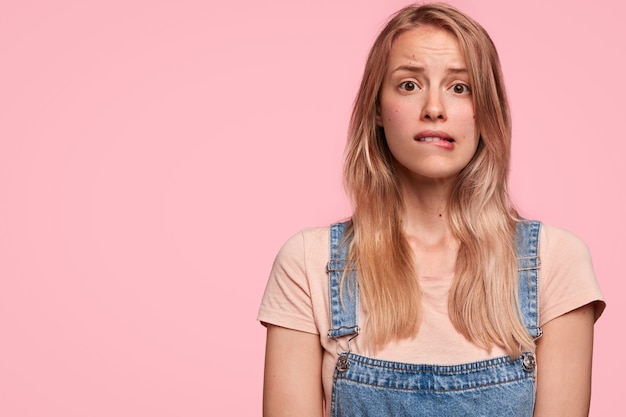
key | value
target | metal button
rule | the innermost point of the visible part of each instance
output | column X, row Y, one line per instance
column 529, row 363
column 343, row 363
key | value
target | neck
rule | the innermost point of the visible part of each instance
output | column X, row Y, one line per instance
column 425, row 211
column 426, row 227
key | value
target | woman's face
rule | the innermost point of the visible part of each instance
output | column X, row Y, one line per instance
column 426, row 108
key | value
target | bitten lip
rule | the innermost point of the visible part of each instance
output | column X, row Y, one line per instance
column 421, row 136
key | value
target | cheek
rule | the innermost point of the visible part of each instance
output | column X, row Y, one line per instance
column 464, row 115
column 395, row 114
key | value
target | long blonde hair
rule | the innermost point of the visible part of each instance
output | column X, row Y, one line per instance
column 483, row 302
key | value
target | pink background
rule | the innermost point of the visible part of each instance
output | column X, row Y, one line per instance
column 154, row 155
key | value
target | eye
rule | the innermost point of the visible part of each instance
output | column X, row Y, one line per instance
column 409, row 86
column 460, row 88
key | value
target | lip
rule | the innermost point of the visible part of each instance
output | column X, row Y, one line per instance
column 444, row 141
column 433, row 134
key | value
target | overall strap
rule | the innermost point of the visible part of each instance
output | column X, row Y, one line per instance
column 527, row 241
column 344, row 310
column 344, row 302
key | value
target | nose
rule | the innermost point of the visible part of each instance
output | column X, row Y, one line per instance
column 433, row 107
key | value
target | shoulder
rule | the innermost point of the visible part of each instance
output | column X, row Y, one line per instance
column 567, row 278
column 302, row 258
column 307, row 243
column 294, row 294
column 557, row 244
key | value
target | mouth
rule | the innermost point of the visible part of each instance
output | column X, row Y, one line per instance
column 434, row 139
column 433, row 136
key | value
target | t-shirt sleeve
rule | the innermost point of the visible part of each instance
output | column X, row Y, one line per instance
column 287, row 298
column 567, row 280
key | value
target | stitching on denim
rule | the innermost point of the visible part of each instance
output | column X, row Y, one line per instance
column 339, row 377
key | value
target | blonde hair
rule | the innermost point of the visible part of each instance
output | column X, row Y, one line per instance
column 483, row 302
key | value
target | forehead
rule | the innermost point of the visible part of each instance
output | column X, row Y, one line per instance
column 427, row 43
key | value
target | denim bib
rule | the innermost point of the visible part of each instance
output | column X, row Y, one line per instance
column 367, row 387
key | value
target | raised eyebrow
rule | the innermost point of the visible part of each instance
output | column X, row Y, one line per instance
column 418, row 70
column 408, row 68
column 455, row 71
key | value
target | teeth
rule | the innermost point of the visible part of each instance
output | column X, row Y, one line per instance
column 430, row 139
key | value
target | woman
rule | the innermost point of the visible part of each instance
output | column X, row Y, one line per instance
column 435, row 298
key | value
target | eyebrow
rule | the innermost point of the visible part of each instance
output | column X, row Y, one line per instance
column 416, row 69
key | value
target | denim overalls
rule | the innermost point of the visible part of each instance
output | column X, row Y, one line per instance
column 370, row 387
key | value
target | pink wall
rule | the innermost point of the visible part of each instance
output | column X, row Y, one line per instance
column 154, row 155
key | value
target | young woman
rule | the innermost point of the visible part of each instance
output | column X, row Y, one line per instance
column 435, row 298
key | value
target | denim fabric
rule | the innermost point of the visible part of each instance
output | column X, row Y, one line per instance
column 377, row 388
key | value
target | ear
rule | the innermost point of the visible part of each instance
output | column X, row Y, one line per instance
column 379, row 118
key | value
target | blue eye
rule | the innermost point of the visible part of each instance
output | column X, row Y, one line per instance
column 459, row 88
column 408, row 86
